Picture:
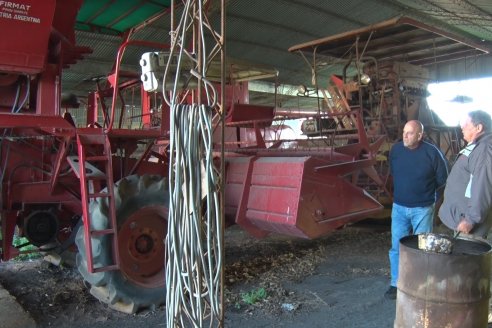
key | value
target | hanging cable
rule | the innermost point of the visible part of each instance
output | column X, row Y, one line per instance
column 194, row 224
column 194, row 240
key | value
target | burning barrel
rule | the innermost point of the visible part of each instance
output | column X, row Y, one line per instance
column 443, row 290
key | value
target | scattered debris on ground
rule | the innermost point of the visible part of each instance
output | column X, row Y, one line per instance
column 263, row 278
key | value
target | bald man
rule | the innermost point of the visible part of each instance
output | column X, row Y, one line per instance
column 419, row 172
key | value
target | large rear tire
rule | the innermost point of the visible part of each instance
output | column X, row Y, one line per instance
column 141, row 211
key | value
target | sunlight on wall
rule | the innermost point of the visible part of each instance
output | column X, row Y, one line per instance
column 451, row 101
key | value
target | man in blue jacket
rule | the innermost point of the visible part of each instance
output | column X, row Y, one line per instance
column 419, row 171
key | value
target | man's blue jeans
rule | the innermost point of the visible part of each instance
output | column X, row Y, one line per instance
column 404, row 222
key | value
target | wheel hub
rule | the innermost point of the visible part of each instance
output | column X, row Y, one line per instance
column 141, row 246
column 144, row 244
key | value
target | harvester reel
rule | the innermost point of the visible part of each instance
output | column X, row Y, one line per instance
column 141, row 211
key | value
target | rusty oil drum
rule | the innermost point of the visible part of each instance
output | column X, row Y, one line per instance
column 443, row 290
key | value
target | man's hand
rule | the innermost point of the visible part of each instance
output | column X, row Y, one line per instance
column 464, row 226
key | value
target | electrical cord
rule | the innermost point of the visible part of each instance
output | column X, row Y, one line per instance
column 194, row 242
column 194, row 225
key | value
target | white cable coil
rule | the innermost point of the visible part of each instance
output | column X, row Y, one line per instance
column 194, row 239
column 193, row 242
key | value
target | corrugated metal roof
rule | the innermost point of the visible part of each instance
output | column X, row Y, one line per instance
column 262, row 31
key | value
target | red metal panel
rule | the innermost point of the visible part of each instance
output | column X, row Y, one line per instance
column 237, row 169
column 26, row 27
column 146, row 108
column 49, row 91
column 247, row 115
column 274, row 194
column 56, row 125
column 290, row 195
column 40, row 192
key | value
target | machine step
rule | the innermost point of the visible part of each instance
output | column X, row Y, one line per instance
column 91, row 172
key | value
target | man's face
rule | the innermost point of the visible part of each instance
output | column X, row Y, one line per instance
column 470, row 131
column 411, row 135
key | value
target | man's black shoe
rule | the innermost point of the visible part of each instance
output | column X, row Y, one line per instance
column 390, row 293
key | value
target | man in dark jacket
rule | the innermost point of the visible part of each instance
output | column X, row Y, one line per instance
column 467, row 201
column 419, row 170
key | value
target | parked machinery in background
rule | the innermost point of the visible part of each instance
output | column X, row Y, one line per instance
column 101, row 184
column 383, row 71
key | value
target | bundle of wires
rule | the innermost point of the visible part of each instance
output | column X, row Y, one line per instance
column 193, row 275
column 194, row 236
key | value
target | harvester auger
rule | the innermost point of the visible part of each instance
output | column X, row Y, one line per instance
column 103, row 186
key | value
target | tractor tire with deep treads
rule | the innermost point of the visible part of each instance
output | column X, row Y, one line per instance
column 141, row 210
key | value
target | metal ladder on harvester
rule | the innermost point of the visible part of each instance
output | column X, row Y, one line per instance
column 90, row 177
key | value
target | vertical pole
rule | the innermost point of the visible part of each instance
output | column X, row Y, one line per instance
column 222, row 149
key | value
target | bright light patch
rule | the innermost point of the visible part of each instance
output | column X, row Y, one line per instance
column 451, row 101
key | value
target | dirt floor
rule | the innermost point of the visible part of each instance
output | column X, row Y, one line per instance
column 336, row 281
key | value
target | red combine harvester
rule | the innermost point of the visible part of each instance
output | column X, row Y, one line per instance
column 103, row 186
